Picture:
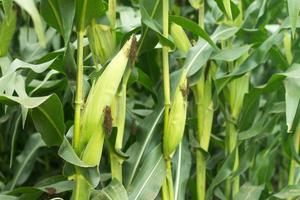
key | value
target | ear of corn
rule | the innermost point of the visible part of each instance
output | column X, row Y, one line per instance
column 181, row 40
column 237, row 90
column 177, row 115
column 203, row 97
column 177, row 118
column 102, row 41
column 100, row 97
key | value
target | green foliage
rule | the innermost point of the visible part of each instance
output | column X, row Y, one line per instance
column 85, row 87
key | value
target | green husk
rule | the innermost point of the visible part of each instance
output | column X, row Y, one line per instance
column 101, row 96
column 102, row 41
column 181, row 40
column 177, row 118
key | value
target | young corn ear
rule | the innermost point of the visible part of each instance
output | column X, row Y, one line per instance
column 181, row 40
column 99, row 100
column 177, row 118
column 235, row 94
column 102, row 41
column 203, row 97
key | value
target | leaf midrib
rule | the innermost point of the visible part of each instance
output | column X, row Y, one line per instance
column 204, row 46
column 51, row 122
column 24, row 163
column 146, row 181
column 144, row 146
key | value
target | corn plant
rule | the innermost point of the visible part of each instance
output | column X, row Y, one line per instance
column 145, row 100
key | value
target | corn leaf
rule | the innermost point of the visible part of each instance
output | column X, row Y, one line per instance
column 86, row 10
column 150, row 177
column 48, row 119
column 290, row 191
column 183, row 165
column 114, row 190
column 26, row 160
column 7, row 29
column 293, row 8
column 137, row 150
column 249, row 192
column 29, row 6
column 200, row 53
column 227, row 6
column 60, row 15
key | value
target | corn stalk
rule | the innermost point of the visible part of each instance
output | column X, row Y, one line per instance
column 293, row 164
column 81, row 190
column 204, row 108
column 167, row 188
column 234, row 94
column 287, row 43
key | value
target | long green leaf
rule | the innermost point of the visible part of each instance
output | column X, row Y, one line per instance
column 7, row 29
column 48, row 119
column 224, row 172
column 200, row 53
column 60, row 15
column 249, row 192
column 8, row 197
column 150, row 177
column 183, row 167
column 67, row 152
column 293, row 8
column 137, row 150
column 115, row 190
column 288, row 192
column 231, row 54
column 86, row 10
column 26, row 160
column 30, row 7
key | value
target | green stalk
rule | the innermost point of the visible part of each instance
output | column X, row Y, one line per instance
column 165, row 51
column 170, row 180
column 287, row 43
column 240, row 18
column 203, row 97
column 293, row 165
column 167, row 191
column 201, row 14
column 78, row 97
column 112, row 5
column 231, row 144
column 164, row 190
column 236, row 90
column 82, row 188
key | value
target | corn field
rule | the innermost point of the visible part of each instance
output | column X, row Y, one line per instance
column 149, row 99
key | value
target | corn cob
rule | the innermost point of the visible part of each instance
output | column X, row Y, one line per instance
column 177, row 118
column 102, row 41
column 99, row 100
column 180, row 38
